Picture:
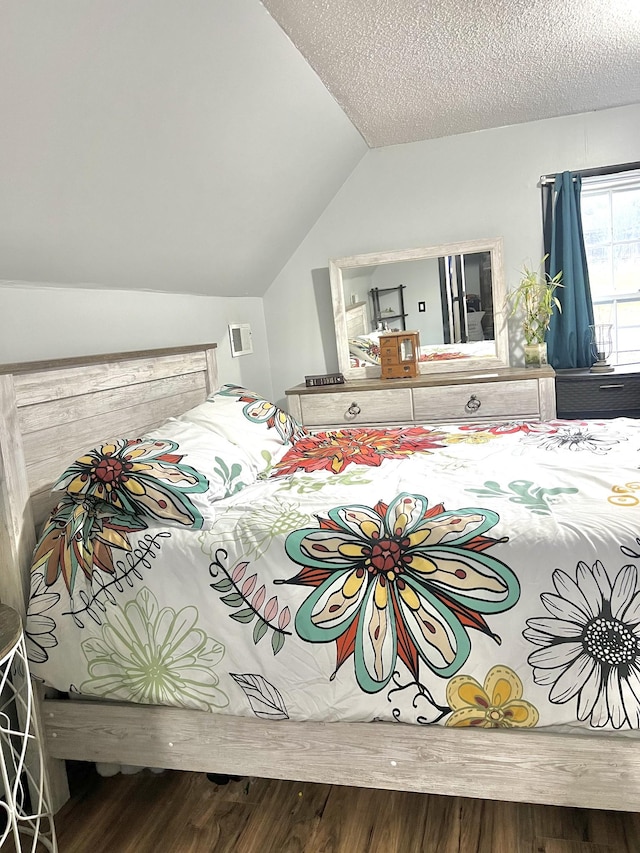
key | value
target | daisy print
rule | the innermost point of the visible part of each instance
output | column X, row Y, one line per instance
column 589, row 645
column 575, row 437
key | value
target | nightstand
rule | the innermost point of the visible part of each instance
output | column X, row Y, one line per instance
column 582, row 394
column 24, row 812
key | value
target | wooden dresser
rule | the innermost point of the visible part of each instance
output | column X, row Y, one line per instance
column 500, row 394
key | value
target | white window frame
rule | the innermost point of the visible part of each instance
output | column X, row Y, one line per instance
column 612, row 184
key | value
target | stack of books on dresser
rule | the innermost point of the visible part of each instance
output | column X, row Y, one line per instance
column 324, row 379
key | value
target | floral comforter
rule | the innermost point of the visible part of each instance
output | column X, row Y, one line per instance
column 479, row 575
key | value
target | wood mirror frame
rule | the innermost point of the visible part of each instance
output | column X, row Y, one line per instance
column 348, row 317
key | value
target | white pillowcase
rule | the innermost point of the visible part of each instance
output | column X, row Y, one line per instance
column 227, row 467
column 173, row 474
column 261, row 429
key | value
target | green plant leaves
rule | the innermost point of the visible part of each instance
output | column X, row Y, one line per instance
column 535, row 299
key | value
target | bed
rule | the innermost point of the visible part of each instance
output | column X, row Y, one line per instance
column 501, row 561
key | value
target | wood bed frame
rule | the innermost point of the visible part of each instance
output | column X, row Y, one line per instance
column 357, row 320
column 51, row 411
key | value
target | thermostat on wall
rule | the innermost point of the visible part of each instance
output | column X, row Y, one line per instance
column 240, row 338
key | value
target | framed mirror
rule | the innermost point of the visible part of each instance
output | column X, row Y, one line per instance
column 452, row 294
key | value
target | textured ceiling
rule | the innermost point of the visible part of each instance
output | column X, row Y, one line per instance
column 406, row 70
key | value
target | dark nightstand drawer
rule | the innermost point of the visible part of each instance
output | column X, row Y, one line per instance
column 609, row 395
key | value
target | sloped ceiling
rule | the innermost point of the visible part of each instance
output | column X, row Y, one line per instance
column 407, row 70
column 160, row 145
column 190, row 147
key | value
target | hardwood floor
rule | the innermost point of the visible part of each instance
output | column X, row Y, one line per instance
column 178, row 812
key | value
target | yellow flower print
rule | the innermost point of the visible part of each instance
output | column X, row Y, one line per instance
column 469, row 438
column 497, row 705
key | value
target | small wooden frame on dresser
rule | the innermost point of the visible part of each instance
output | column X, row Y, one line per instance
column 500, row 394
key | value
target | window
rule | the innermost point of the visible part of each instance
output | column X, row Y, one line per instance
column 611, row 226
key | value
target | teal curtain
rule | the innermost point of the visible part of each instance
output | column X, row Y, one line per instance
column 568, row 339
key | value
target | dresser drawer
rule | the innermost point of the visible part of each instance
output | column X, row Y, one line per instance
column 357, row 407
column 476, row 401
column 502, row 395
column 595, row 396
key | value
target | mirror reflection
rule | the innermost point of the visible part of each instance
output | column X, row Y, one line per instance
column 449, row 294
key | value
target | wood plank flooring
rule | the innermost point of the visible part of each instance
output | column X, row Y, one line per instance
column 178, row 812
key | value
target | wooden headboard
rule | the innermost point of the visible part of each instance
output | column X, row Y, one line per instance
column 357, row 320
column 52, row 411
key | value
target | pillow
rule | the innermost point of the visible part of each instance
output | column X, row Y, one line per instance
column 366, row 348
column 174, row 473
column 263, row 430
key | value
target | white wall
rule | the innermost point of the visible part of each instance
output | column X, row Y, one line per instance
column 44, row 322
column 472, row 186
column 155, row 148
column 422, row 283
column 184, row 147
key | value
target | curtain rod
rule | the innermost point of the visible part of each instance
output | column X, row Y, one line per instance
column 595, row 173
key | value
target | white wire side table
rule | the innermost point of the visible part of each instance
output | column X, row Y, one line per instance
column 25, row 813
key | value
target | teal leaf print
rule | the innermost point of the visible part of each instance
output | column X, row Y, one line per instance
column 244, row 592
column 228, row 475
column 277, row 642
column 260, row 629
column 524, row 492
column 222, row 586
column 246, row 615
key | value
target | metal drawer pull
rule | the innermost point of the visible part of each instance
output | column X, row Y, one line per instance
column 473, row 404
column 619, row 385
column 352, row 412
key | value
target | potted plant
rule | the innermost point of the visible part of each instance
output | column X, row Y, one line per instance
column 534, row 298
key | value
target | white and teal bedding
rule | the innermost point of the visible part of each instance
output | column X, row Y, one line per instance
column 480, row 575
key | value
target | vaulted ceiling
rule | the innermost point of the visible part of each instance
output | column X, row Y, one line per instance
column 190, row 147
column 406, row 70
column 160, row 145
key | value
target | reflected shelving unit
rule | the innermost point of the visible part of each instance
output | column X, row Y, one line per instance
column 395, row 312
